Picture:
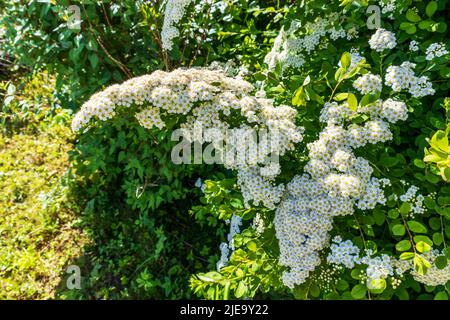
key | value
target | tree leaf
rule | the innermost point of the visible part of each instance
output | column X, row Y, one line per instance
column 398, row 230
column 416, row 227
column 441, row 262
column 359, row 291
column 423, row 247
column 431, row 8
column 352, row 102
column 346, row 60
column 241, row 289
column 403, row 245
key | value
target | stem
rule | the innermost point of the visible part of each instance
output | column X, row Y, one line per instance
column 442, row 232
column 409, row 234
column 381, row 65
column 360, row 231
column 334, row 90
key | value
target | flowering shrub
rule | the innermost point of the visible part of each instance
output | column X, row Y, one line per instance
column 362, row 183
column 356, row 205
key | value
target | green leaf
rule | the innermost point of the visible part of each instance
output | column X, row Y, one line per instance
column 346, row 60
column 359, row 291
column 409, row 27
column 376, row 285
column 431, row 8
column 405, row 208
column 226, row 290
column 299, row 98
column 407, row 255
column 210, row 276
column 425, row 239
column 398, row 230
column 419, row 163
column 393, row 213
column 403, row 245
column 441, row 296
column 314, row 291
column 435, row 223
column 425, row 24
column 252, row 246
column 421, row 265
column 388, row 162
column 431, row 178
column 352, row 102
column 446, row 251
column 339, row 74
column 412, row 16
column 445, row 72
column 379, row 217
column 342, row 285
column 441, row 27
column 356, row 274
column 423, row 247
column 93, row 59
column 437, row 238
column 340, row 96
column 241, row 289
column 416, row 227
column 441, row 262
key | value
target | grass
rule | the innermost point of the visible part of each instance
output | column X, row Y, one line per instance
column 38, row 224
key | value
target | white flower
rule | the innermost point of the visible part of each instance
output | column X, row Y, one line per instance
column 343, row 253
column 334, row 183
column 403, row 78
column 413, row 46
column 173, row 13
column 382, row 40
column 368, row 83
column 435, row 50
column 394, row 111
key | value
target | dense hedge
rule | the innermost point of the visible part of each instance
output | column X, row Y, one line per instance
column 153, row 229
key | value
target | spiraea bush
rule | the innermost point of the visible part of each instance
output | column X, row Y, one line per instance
column 357, row 206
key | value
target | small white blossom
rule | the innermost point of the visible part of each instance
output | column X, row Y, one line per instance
column 382, row 40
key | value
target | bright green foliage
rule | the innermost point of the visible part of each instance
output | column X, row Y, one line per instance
column 438, row 154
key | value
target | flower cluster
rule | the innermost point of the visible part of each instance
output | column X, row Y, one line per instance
column 206, row 97
column 378, row 267
column 415, row 199
column 403, row 78
column 174, row 12
column 394, row 111
column 388, row 7
column 334, row 183
column 382, row 40
column 224, row 253
column 258, row 189
column 343, row 252
column 435, row 50
column 368, row 83
column 292, row 46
